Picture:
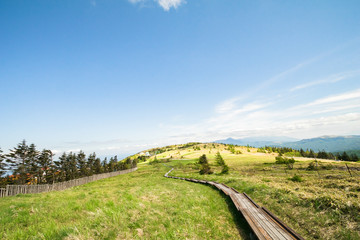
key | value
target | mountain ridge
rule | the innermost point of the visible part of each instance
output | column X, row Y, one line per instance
column 329, row 143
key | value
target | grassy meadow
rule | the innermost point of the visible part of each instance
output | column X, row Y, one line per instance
column 139, row 205
column 323, row 204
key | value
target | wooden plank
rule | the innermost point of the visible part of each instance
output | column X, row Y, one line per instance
column 267, row 224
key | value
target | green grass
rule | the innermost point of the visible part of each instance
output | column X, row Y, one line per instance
column 325, row 204
column 139, row 205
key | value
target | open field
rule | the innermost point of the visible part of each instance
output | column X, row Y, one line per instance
column 139, row 205
column 324, row 205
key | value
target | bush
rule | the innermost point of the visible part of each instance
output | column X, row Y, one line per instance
column 219, row 160
column 296, row 178
column 289, row 162
column 225, row 169
column 204, row 168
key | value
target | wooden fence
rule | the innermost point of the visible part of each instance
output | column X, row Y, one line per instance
column 12, row 190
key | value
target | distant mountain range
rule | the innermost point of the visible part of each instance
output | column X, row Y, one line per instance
column 327, row 143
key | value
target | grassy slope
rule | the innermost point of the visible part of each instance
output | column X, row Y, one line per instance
column 320, row 207
column 142, row 204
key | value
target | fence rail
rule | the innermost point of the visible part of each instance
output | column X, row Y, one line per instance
column 12, row 190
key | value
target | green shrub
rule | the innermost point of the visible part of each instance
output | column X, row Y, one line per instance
column 289, row 162
column 296, row 178
column 204, row 165
column 225, row 169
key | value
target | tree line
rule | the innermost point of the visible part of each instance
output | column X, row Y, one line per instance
column 31, row 166
column 344, row 156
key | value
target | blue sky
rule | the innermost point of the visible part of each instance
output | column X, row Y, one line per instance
column 120, row 76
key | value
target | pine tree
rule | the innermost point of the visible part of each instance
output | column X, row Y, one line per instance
column 32, row 161
column 62, row 168
column 116, row 167
column 204, row 168
column 97, row 166
column 90, row 164
column 345, row 157
column 311, row 154
column 18, row 161
column 104, row 165
column 2, row 163
column 302, row 152
column 219, row 160
column 354, row 157
column 72, row 172
column 45, row 167
column 82, row 164
column 111, row 165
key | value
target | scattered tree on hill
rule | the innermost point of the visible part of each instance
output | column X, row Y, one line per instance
column 204, row 165
column 220, row 161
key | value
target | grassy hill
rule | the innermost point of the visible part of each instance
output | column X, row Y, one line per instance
column 320, row 200
column 321, row 203
column 139, row 205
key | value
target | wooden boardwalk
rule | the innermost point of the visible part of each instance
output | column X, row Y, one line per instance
column 264, row 224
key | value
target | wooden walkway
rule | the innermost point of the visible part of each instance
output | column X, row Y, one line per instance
column 264, row 224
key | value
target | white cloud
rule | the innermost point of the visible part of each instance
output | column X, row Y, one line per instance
column 336, row 98
column 136, row 1
column 331, row 79
column 226, row 105
column 165, row 4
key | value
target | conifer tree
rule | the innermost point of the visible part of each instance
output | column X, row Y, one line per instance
column 18, row 161
column 72, row 172
column 62, row 167
column 354, row 157
column 104, row 165
column 45, row 166
column 219, row 160
column 2, row 163
column 97, row 166
column 32, row 160
column 82, row 164
column 345, row 157
column 204, row 168
column 90, row 164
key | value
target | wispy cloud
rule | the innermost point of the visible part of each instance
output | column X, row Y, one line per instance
column 331, row 79
column 335, row 98
column 164, row 4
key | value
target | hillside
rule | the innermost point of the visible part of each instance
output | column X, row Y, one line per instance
column 139, row 205
column 319, row 200
column 309, row 196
